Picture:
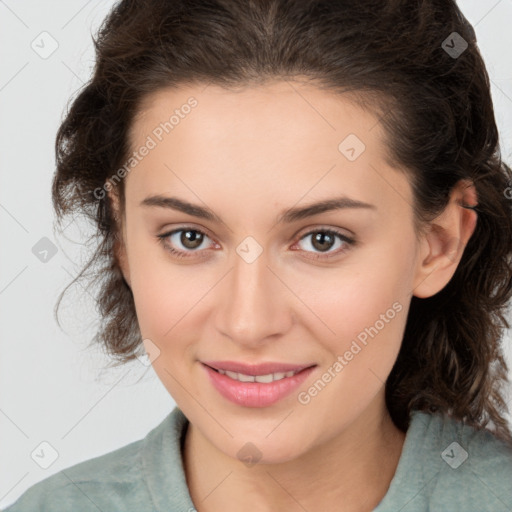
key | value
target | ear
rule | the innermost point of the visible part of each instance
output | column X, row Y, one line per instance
column 119, row 244
column 443, row 244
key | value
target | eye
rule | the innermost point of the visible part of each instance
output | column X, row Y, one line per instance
column 188, row 238
column 323, row 240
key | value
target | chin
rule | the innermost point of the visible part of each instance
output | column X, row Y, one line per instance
column 257, row 452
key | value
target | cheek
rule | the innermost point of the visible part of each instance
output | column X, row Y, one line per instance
column 366, row 316
column 167, row 302
column 358, row 294
column 164, row 295
column 363, row 311
column 366, row 325
column 154, row 286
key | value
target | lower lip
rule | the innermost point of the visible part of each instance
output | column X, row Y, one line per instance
column 256, row 394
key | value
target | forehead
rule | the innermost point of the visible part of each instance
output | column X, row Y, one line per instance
column 293, row 110
column 282, row 138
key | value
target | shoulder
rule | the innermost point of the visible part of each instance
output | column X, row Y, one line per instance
column 447, row 464
column 113, row 481
column 86, row 485
column 468, row 468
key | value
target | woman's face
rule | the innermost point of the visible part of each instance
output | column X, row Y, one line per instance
column 260, row 280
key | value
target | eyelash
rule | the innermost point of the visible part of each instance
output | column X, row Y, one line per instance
column 188, row 254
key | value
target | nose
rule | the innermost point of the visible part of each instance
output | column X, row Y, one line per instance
column 252, row 305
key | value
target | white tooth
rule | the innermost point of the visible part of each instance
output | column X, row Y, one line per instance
column 265, row 378
column 269, row 377
column 245, row 378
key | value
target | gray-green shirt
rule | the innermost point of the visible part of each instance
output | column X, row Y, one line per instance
column 444, row 466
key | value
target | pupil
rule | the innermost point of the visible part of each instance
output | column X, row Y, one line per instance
column 320, row 239
column 191, row 239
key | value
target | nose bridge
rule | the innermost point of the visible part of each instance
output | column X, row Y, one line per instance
column 252, row 306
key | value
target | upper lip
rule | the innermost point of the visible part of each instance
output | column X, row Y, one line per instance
column 256, row 369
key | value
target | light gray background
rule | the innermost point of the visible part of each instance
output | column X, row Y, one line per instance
column 51, row 389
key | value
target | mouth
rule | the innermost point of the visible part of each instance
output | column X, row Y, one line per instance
column 258, row 385
column 265, row 379
column 262, row 372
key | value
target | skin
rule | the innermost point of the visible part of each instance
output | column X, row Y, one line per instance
column 248, row 155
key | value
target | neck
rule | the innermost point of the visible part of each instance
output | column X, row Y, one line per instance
column 350, row 472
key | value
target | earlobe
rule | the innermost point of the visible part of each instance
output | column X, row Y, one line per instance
column 442, row 246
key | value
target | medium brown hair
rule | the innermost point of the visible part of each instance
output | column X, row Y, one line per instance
column 391, row 55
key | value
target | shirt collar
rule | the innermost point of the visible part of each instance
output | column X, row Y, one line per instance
column 163, row 465
column 165, row 475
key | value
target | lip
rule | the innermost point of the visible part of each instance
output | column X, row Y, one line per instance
column 256, row 394
column 256, row 369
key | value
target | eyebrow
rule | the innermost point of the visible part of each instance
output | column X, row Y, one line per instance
column 288, row 216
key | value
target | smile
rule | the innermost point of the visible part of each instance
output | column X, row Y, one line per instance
column 269, row 377
column 259, row 385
